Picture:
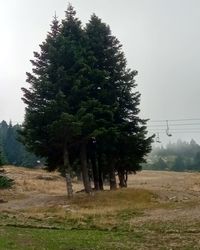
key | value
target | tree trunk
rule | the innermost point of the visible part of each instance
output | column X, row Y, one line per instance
column 113, row 183
column 126, row 178
column 100, row 173
column 100, row 179
column 123, row 177
column 67, row 173
column 95, row 172
column 86, row 181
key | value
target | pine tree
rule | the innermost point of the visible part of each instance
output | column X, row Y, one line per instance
column 76, row 94
column 124, row 141
column 47, row 103
column 54, row 121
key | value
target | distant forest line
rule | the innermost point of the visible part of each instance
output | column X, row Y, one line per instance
column 179, row 156
column 12, row 151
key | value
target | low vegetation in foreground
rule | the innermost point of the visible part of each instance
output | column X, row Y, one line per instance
column 5, row 182
column 153, row 236
column 155, row 213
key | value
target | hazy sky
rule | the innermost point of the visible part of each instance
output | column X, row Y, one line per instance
column 161, row 39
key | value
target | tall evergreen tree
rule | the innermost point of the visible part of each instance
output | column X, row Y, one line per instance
column 46, row 102
column 124, row 142
column 53, row 101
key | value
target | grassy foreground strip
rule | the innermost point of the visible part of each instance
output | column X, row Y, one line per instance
column 151, row 236
column 128, row 219
column 29, row 238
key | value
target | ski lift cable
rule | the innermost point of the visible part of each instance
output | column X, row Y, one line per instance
column 175, row 129
column 174, row 124
column 176, row 132
column 175, row 120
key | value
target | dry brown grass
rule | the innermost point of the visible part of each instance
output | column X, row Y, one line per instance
column 45, row 199
column 106, row 201
column 162, row 207
column 159, row 195
column 104, row 210
column 102, row 202
column 38, row 180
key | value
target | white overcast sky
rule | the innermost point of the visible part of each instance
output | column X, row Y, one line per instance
column 161, row 39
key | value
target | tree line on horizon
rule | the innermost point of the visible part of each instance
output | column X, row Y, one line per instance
column 12, row 151
column 180, row 156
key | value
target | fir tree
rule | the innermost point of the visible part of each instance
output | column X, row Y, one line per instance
column 54, row 99
column 46, row 102
column 124, row 141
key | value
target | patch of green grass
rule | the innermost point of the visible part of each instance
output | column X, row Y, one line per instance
column 91, row 234
column 26, row 238
column 151, row 236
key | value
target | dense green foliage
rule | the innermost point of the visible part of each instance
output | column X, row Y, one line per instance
column 11, row 150
column 81, row 107
column 180, row 156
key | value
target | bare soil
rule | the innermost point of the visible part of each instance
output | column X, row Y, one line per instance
column 178, row 192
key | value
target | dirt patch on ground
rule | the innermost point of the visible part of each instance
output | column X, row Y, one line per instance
column 34, row 188
column 178, row 193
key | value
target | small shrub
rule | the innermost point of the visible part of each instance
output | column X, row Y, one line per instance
column 5, row 182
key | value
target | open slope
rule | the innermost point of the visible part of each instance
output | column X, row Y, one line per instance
column 159, row 210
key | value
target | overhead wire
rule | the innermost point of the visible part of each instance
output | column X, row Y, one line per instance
column 175, row 126
column 169, row 120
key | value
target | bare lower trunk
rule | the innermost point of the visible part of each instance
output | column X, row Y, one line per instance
column 123, row 177
column 86, row 181
column 95, row 173
column 67, row 173
column 100, row 173
column 113, row 183
column 100, row 179
column 69, row 185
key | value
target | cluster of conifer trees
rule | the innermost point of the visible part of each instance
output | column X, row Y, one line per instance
column 81, row 107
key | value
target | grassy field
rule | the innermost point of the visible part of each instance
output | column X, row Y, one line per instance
column 160, row 210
